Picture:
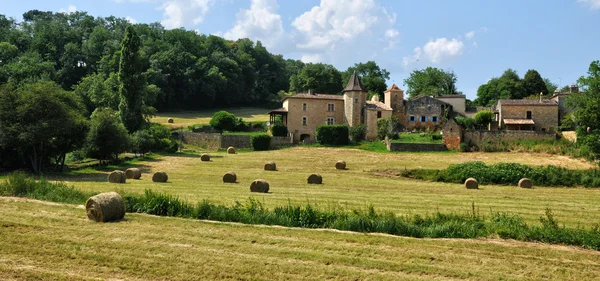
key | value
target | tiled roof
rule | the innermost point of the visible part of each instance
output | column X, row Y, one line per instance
column 377, row 105
column 279, row 110
column 519, row 122
column 451, row 96
column 315, row 96
column 394, row 88
column 528, row 102
column 354, row 84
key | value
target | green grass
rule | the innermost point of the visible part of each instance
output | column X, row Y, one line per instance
column 416, row 138
column 185, row 119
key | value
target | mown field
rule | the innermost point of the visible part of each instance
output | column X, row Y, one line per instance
column 184, row 119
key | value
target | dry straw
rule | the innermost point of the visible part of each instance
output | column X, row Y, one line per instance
column 133, row 173
column 230, row 177
column 340, row 165
column 525, row 183
column 270, row 166
column 231, row 150
column 160, row 177
column 117, row 177
column 205, row 157
column 315, row 179
column 170, row 120
column 471, row 183
column 259, row 185
column 105, row 207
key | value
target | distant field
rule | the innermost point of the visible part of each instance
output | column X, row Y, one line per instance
column 188, row 118
column 44, row 241
column 357, row 187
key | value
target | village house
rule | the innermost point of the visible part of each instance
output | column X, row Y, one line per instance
column 527, row 115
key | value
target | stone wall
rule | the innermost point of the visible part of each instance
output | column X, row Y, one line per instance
column 544, row 116
column 504, row 135
column 452, row 134
column 428, row 107
column 208, row 141
column 278, row 142
column 235, row 141
column 415, row 147
column 218, row 141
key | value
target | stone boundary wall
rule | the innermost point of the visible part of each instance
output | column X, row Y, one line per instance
column 414, row 147
column 218, row 141
column 506, row 135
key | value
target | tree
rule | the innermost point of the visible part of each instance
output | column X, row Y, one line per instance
column 131, row 82
column 550, row 86
column 318, row 77
column 107, row 137
column 587, row 113
column 533, row 84
column 371, row 76
column 431, row 81
column 482, row 119
column 41, row 122
column 507, row 86
column 223, row 121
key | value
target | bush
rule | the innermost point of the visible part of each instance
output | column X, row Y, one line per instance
column 332, row 134
column 387, row 127
column 241, row 125
column 358, row 132
column 259, row 126
column 261, row 142
column 482, row 119
column 155, row 138
column 107, row 136
column 223, row 121
column 279, row 130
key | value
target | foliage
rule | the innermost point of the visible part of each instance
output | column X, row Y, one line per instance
column 533, row 84
column 587, row 113
column 131, row 82
column 419, row 138
column 155, row 138
column 550, row 86
column 107, row 136
column 223, row 121
column 358, row 132
column 371, row 76
column 320, row 78
column 387, row 127
column 261, row 142
column 41, row 123
column 431, row 81
column 279, row 130
column 332, row 134
column 20, row 184
column 482, row 119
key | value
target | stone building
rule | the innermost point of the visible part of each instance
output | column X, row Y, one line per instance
column 452, row 134
column 529, row 115
column 426, row 112
column 458, row 102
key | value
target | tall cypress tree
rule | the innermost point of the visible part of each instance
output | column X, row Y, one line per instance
column 131, row 82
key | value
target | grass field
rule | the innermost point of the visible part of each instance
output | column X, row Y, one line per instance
column 355, row 188
column 46, row 241
column 184, row 119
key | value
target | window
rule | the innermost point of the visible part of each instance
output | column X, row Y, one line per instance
column 355, row 99
column 411, row 118
column 303, row 107
column 528, row 114
column 423, row 118
column 378, row 114
column 434, row 119
column 330, row 107
column 304, row 121
column 330, row 120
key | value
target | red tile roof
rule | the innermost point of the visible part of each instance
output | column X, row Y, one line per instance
column 519, row 122
column 394, row 88
column 528, row 102
column 377, row 105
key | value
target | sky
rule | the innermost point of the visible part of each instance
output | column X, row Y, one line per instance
column 476, row 39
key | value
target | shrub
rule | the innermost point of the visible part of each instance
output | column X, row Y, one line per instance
column 223, row 121
column 107, row 136
column 388, row 127
column 332, row 134
column 358, row 132
column 259, row 126
column 482, row 119
column 261, row 142
column 241, row 125
column 279, row 130
column 155, row 138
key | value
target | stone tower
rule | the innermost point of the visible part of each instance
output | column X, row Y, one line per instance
column 355, row 97
column 394, row 98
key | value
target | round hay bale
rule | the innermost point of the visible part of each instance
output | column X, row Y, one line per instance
column 205, row 157
column 105, row 207
column 160, row 177
column 471, row 183
column 231, row 150
column 525, row 183
column 170, row 120
column 229, row 177
column 270, row 166
column 315, row 179
column 340, row 165
column 133, row 173
column 117, row 177
column 259, row 186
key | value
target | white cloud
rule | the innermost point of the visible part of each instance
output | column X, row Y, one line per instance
column 470, row 34
column 131, row 20
column 591, row 4
column 180, row 13
column 71, row 9
column 436, row 51
column 260, row 22
column 392, row 36
column 311, row 58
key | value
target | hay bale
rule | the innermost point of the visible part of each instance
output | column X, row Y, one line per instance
column 270, row 166
column 133, row 173
column 117, row 177
column 231, row 150
column 205, row 157
column 259, row 186
column 170, row 120
column 105, row 207
column 471, row 183
column 160, row 177
column 340, row 165
column 525, row 183
column 229, row 177
column 315, row 179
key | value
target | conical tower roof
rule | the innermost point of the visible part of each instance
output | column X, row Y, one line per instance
column 354, row 84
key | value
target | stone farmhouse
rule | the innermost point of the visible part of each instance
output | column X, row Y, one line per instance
column 528, row 115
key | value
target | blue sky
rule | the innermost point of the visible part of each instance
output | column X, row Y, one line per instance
column 476, row 39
